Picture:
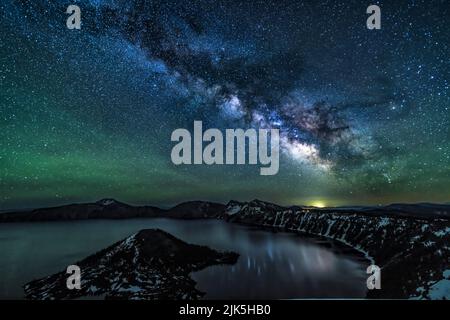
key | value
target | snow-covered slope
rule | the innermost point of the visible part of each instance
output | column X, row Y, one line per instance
column 151, row 264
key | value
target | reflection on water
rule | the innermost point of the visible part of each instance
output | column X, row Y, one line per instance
column 271, row 265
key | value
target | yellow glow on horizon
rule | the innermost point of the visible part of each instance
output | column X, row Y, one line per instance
column 318, row 204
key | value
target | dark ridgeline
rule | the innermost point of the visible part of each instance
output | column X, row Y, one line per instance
column 113, row 209
column 103, row 209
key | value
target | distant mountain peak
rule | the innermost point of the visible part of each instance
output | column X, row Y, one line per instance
column 257, row 202
column 107, row 202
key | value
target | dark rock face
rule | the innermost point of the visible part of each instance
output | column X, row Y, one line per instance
column 413, row 252
column 196, row 210
column 151, row 264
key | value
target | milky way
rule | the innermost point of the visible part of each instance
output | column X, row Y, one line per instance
column 363, row 114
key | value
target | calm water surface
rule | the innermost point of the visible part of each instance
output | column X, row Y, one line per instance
column 271, row 265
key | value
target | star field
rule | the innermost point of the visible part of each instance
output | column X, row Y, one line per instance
column 363, row 114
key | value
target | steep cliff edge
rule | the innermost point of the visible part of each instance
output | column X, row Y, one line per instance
column 412, row 251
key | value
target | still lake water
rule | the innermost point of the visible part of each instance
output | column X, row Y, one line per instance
column 270, row 266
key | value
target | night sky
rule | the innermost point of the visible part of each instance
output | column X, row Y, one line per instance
column 86, row 114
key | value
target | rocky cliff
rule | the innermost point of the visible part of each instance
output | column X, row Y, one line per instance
column 413, row 251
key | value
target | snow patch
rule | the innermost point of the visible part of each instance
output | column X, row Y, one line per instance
column 233, row 210
column 440, row 290
column 106, row 202
column 442, row 233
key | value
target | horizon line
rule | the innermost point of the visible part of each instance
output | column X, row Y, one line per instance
column 165, row 207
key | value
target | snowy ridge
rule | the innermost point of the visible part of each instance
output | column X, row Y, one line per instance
column 412, row 252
